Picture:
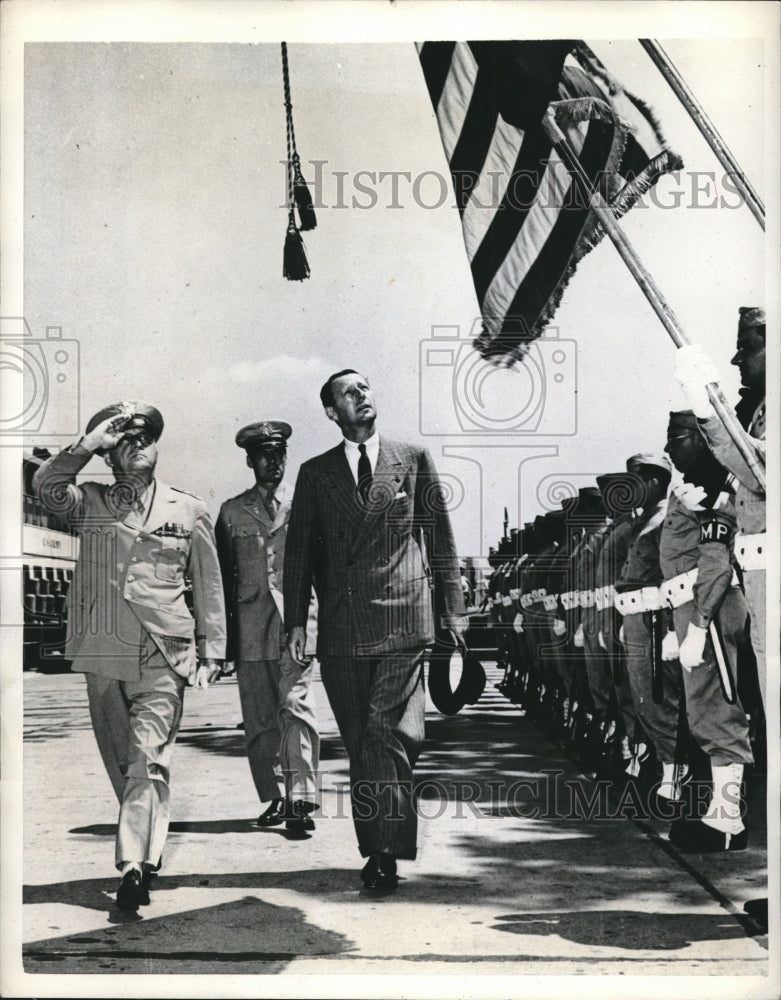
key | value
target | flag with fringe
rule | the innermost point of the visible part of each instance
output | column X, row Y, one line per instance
column 526, row 224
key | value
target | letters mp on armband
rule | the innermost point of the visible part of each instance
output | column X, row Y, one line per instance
column 715, row 529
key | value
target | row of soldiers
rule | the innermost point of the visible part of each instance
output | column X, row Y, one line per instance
column 622, row 624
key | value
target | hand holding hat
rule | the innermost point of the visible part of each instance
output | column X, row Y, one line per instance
column 695, row 370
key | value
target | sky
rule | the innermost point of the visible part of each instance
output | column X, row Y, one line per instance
column 153, row 228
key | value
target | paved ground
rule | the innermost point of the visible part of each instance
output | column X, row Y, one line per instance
column 508, row 882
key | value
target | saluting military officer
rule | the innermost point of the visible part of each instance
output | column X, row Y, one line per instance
column 277, row 695
column 143, row 546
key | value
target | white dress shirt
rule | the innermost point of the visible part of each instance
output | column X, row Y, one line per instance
column 353, row 455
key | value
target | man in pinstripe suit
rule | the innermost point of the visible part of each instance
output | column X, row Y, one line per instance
column 369, row 528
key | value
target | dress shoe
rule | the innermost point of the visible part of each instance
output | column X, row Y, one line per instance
column 698, row 837
column 273, row 815
column 297, row 819
column 379, row 873
column 132, row 892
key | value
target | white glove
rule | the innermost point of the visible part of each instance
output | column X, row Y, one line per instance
column 621, row 634
column 559, row 626
column 694, row 370
column 670, row 646
column 518, row 623
column 578, row 639
column 691, row 496
column 693, row 647
column 602, row 642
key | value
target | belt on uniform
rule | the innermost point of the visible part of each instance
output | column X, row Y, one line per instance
column 632, row 602
column 679, row 589
column 587, row 598
column 751, row 551
column 515, row 593
column 604, row 597
column 526, row 600
column 550, row 602
column 539, row 593
column 570, row 600
column 507, row 600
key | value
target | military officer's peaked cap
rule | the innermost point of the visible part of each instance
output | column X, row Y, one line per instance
column 750, row 316
column 659, row 460
column 140, row 415
column 682, row 420
column 274, row 432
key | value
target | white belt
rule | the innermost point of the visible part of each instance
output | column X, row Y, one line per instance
column 570, row 600
column 515, row 594
column 680, row 589
column 587, row 598
column 497, row 600
column 526, row 600
column 751, row 551
column 550, row 602
column 632, row 602
column 537, row 595
column 507, row 601
column 604, row 597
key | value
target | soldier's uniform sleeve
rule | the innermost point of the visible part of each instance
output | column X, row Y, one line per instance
column 714, row 566
column 224, row 539
column 208, row 601
column 54, row 482
column 725, row 450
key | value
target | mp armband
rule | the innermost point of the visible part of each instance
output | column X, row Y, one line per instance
column 714, row 528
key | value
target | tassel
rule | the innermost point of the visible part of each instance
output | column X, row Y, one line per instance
column 303, row 198
column 295, row 266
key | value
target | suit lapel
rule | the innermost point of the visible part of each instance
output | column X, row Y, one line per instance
column 388, row 477
column 339, row 479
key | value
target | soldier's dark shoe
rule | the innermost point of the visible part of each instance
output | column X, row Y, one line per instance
column 132, row 892
column 379, row 873
column 298, row 822
column 273, row 814
column 757, row 910
column 698, row 837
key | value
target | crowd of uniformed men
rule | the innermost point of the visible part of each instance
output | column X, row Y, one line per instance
column 631, row 620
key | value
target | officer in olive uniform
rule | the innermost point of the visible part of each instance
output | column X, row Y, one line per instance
column 695, row 370
column 696, row 551
column 277, row 696
column 143, row 548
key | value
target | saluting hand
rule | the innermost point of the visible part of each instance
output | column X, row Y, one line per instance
column 106, row 435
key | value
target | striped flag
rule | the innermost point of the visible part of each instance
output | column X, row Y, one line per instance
column 526, row 224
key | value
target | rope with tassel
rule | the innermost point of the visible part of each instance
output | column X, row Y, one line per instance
column 295, row 266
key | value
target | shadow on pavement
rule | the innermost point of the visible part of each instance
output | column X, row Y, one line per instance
column 249, row 934
column 630, row 929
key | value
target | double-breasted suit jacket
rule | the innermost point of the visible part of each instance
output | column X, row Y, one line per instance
column 136, row 571
column 383, row 569
column 251, row 548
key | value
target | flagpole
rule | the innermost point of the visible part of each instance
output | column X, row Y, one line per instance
column 651, row 290
column 663, row 63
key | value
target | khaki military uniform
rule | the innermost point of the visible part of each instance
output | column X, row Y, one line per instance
column 145, row 603
column 277, row 697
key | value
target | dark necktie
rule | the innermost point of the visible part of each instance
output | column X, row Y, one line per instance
column 364, row 474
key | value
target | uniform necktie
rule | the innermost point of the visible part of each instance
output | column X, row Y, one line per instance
column 364, row 474
column 270, row 504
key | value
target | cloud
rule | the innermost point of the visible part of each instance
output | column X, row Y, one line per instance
column 284, row 368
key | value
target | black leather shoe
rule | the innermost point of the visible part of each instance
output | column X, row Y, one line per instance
column 379, row 873
column 699, row 838
column 132, row 892
column 298, row 821
column 273, row 815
